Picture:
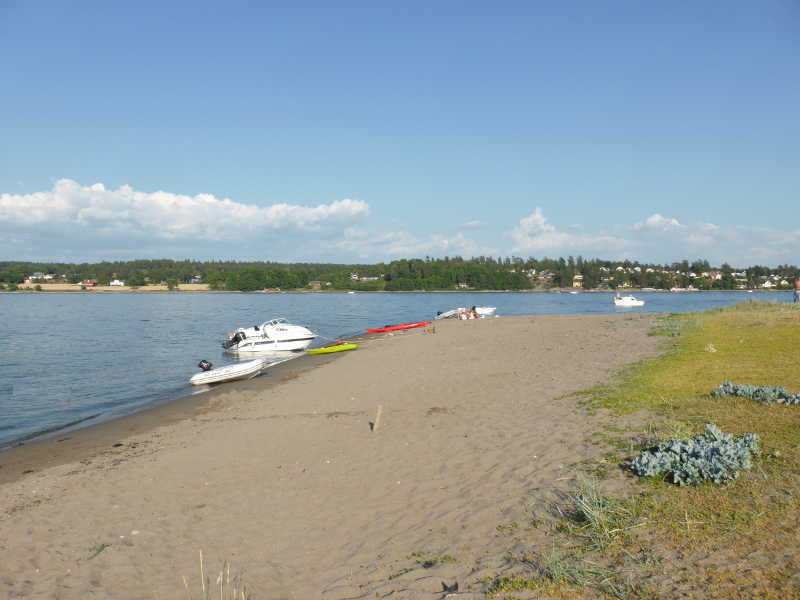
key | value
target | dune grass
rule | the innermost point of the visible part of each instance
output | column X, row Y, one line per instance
column 226, row 585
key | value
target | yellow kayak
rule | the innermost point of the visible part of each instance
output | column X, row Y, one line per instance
column 337, row 348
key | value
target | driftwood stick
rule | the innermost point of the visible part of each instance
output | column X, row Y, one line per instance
column 377, row 420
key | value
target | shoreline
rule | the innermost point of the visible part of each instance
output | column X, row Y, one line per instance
column 285, row 478
column 72, row 443
column 28, row 289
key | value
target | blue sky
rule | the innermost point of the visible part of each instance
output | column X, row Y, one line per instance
column 368, row 131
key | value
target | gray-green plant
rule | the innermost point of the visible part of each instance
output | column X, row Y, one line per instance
column 712, row 455
column 766, row 394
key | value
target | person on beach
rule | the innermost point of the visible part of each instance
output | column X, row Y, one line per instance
column 797, row 290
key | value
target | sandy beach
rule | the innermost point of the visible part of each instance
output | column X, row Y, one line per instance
column 286, row 477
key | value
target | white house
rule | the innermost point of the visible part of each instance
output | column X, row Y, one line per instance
column 116, row 282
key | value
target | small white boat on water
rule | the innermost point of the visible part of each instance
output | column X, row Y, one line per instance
column 242, row 370
column 624, row 301
column 271, row 336
column 483, row 312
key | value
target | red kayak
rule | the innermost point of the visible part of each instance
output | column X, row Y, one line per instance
column 398, row 327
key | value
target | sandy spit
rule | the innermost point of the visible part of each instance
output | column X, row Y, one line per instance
column 285, row 478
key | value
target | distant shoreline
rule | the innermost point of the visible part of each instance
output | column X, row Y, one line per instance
column 203, row 287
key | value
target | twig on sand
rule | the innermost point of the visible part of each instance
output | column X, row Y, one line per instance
column 374, row 425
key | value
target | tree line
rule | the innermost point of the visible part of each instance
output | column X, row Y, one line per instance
column 448, row 273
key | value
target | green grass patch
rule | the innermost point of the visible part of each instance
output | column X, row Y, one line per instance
column 751, row 343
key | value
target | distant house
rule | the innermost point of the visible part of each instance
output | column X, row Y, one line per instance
column 89, row 282
column 196, row 279
column 462, row 285
column 371, row 278
column 116, row 282
column 315, row 285
column 577, row 281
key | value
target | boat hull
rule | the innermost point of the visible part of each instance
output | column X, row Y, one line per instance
column 628, row 302
column 398, row 327
column 330, row 349
column 244, row 370
column 256, row 345
column 270, row 337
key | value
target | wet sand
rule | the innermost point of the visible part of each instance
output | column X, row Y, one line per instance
column 288, row 479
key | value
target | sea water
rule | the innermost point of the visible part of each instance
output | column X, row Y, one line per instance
column 90, row 357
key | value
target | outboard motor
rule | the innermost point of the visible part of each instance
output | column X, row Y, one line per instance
column 233, row 340
column 205, row 365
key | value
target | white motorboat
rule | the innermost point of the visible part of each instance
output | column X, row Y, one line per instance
column 271, row 336
column 627, row 301
column 483, row 312
column 242, row 370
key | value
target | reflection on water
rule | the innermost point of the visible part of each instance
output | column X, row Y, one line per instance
column 66, row 357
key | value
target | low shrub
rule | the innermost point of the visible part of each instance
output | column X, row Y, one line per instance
column 766, row 394
column 713, row 455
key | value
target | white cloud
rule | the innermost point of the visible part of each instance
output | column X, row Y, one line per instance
column 658, row 223
column 401, row 244
column 661, row 239
column 163, row 214
column 535, row 234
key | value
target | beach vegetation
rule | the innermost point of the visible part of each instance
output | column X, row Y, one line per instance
column 711, row 455
column 225, row 586
column 432, row 561
column 746, row 529
column 556, row 574
column 597, row 518
column 97, row 549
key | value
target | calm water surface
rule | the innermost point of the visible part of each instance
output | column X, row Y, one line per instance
column 66, row 357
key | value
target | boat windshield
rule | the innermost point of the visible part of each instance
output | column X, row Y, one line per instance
column 275, row 322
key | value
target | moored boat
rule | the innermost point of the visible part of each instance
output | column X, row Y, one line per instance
column 624, row 301
column 242, row 370
column 483, row 312
column 270, row 336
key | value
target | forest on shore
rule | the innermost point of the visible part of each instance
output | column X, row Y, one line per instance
column 481, row 273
